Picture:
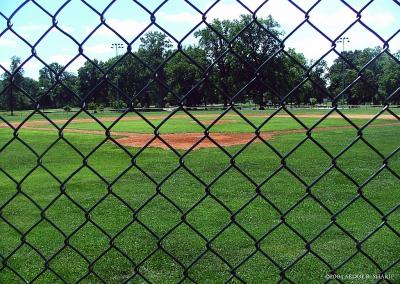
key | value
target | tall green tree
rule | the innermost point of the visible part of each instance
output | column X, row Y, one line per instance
column 54, row 94
column 318, row 89
column 341, row 74
column 131, row 77
column 214, row 41
column 154, row 49
column 186, row 77
column 89, row 83
column 257, row 43
column 239, row 50
column 389, row 81
column 14, row 97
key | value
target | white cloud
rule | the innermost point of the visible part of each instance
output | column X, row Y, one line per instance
column 32, row 33
column 32, row 67
column 43, row 28
column 183, row 17
column 67, row 29
column 4, row 42
column 127, row 28
column 225, row 11
column 33, row 28
column 78, row 63
column 65, row 59
column 395, row 44
column 62, row 59
column 332, row 19
column 380, row 20
column 5, row 64
column 98, row 49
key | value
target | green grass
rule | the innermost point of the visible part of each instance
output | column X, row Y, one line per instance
column 60, row 114
column 209, row 217
column 184, row 125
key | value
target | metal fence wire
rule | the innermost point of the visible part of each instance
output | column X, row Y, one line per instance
column 191, row 265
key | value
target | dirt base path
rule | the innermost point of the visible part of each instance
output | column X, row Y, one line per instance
column 204, row 118
column 186, row 141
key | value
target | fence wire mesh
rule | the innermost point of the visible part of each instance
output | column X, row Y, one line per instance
column 185, row 248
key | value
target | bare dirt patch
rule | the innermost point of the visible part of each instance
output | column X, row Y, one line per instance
column 186, row 141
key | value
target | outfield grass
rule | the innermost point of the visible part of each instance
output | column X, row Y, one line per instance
column 228, row 124
column 208, row 217
column 182, row 123
column 60, row 114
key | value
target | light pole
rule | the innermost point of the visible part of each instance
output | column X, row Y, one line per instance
column 11, row 98
column 343, row 40
column 41, row 94
column 117, row 46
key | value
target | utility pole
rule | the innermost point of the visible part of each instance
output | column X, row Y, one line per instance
column 343, row 40
column 117, row 46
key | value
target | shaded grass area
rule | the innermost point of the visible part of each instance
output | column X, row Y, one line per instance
column 109, row 230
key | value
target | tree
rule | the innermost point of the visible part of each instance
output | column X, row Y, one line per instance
column 183, row 75
column 154, row 50
column 289, row 74
column 131, row 77
column 319, row 89
column 14, row 97
column 313, row 90
column 89, row 83
column 389, row 81
column 257, row 43
column 253, row 43
column 53, row 93
column 31, row 87
column 241, row 58
column 341, row 74
column 211, row 41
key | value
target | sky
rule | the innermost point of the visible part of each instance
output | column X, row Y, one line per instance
column 128, row 18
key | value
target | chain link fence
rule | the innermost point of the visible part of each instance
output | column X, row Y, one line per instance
column 110, row 233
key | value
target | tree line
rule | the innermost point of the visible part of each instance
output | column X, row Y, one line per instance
column 239, row 60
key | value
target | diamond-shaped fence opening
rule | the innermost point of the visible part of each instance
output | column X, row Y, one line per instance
column 199, row 142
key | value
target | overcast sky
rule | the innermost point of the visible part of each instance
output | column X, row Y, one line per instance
column 178, row 18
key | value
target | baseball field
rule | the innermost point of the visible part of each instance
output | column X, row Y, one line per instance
column 199, row 196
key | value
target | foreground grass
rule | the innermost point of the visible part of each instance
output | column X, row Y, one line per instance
column 143, row 232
